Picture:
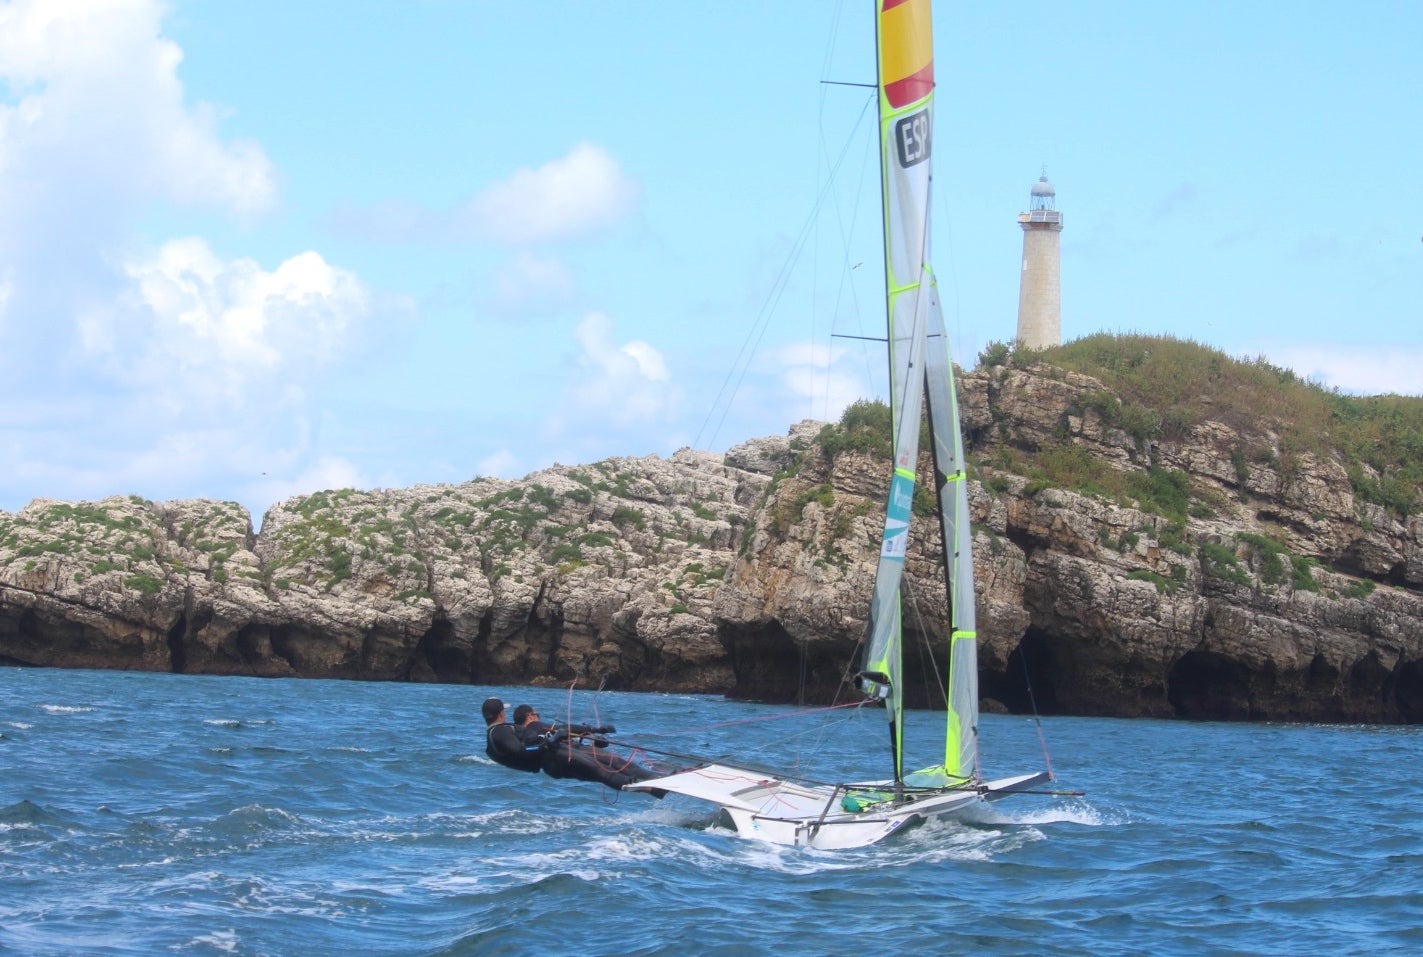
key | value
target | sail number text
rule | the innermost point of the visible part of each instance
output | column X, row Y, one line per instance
column 912, row 136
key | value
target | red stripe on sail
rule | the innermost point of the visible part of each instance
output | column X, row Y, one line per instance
column 914, row 87
column 891, row 4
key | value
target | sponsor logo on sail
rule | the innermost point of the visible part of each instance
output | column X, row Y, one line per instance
column 912, row 138
column 896, row 539
column 901, row 496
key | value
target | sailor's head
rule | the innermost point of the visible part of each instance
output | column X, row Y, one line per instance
column 493, row 710
column 523, row 713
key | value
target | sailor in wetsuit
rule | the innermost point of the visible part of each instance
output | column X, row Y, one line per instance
column 565, row 755
column 504, row 742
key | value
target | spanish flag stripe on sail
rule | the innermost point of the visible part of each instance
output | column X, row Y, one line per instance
column 906, row 51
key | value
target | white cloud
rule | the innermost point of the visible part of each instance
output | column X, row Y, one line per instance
column 820, row 379
column 628, row 382
column 1360, row 369
column 7, row 287
column 581, row 193
column 585, row 191
column 327, row 472
column 200, row 329
column 94, row 133
column 530, row 285
column 502, row 464
column 614, row 388
column 100, row 125
column 200, row 375
column 153, row 373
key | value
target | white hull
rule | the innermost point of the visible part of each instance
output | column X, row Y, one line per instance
column 765, row 808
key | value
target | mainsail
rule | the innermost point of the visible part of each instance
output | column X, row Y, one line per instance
column 919, row 363
column 805, row 813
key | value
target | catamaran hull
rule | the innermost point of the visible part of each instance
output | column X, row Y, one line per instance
column 784, row 812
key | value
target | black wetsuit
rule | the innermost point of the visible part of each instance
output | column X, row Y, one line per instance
column 565, row 756
column 506, row 745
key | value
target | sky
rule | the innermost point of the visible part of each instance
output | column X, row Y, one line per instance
column 255, row 250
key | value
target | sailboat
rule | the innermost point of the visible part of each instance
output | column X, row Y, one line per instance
column 783, row 810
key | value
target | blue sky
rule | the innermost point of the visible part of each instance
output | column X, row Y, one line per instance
column 259, row 249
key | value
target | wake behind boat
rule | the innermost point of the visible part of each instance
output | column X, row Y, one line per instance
column 781, row 808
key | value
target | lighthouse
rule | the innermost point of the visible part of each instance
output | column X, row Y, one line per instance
column 1039, row 289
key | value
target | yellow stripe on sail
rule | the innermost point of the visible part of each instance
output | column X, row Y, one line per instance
column 906, row 41
column 953, row 740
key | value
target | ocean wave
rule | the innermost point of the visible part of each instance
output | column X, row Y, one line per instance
column 474, row 759
column 224, row 941
column 1076, row 811
column 25, row 812
column 421, row 847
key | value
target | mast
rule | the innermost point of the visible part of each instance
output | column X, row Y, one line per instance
column 905, row 91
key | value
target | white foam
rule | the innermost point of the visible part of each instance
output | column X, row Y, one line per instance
column 223, row 940
column 1073, row 812
column 1078, row 812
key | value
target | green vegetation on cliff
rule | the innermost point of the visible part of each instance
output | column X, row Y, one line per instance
column 1160, row 388
column 1164, row 387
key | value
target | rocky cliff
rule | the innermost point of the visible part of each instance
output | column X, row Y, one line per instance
column 1216, row 585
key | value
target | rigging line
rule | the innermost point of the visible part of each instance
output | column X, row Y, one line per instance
column 947, row 237
column 927, row 649
column 800, row 687
column 763, row 316
column 804, row 761
column 737, row 373
column 869, row 159
column 831, row 39
column 1033, row 702
column 847, row 676
column 845, row 684
column 782, row 281
column 764, row 717
column 740, row 758
column 847, row 272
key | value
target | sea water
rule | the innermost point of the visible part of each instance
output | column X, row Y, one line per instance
column 146, row 814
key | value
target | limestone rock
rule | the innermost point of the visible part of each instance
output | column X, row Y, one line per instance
column 1280, row 596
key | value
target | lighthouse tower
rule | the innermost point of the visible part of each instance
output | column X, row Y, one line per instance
column 1039, row 291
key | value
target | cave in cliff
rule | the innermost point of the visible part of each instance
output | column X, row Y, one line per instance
column 1025, row 685
column 769, row 664
column 1207, row 685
